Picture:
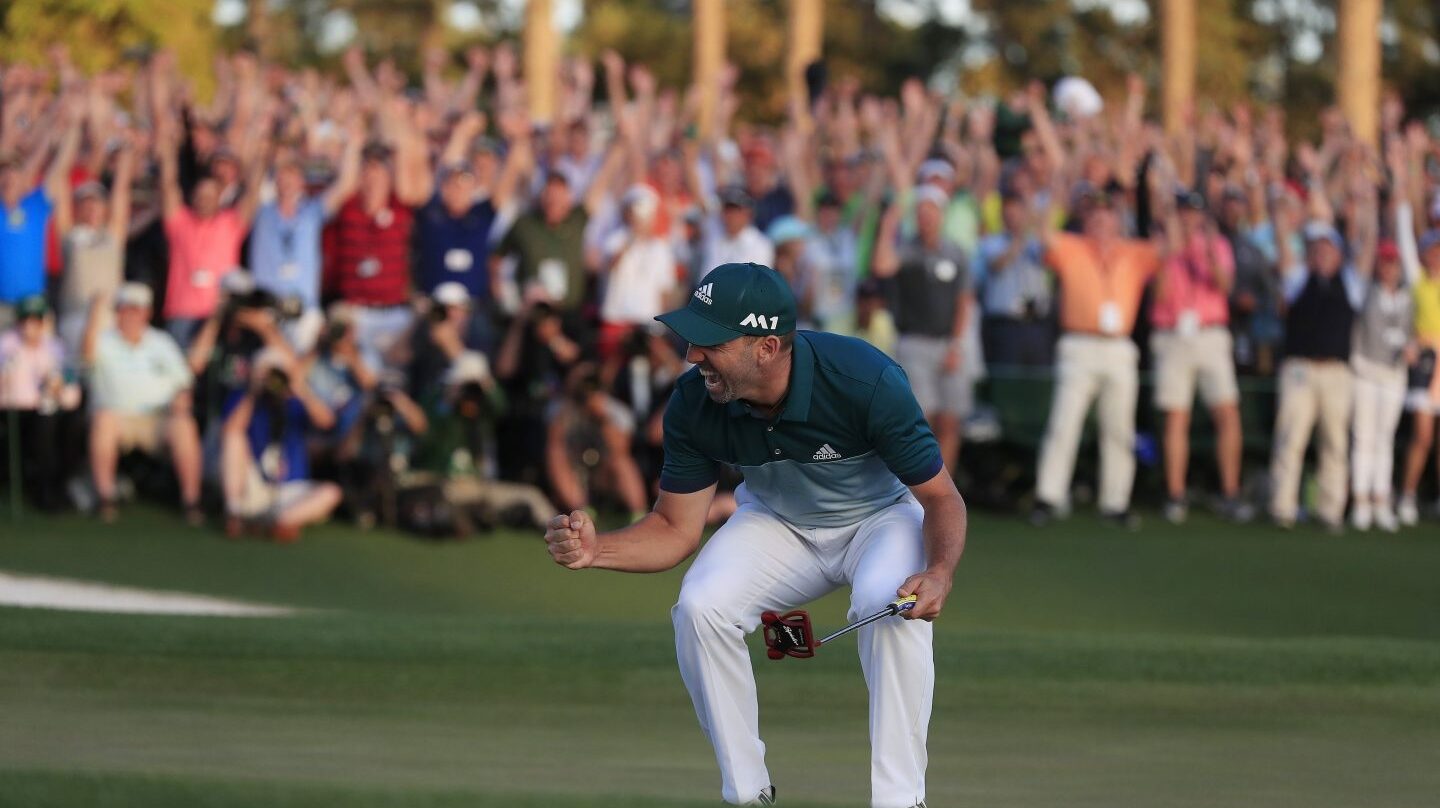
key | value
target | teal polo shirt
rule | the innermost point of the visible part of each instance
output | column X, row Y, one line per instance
column 848, row 441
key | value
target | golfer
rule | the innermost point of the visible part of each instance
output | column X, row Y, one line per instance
column 843, row 485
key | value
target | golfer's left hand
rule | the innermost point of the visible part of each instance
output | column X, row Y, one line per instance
column 930, row 589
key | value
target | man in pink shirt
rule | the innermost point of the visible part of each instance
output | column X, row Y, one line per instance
column 204, row 240
column 1192, row 348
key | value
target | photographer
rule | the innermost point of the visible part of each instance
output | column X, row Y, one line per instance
column 246, row 321
column 447, row 331
column 587, row 446
column 264, row 464
column 341, row 378
column 376, row 449
column 459, row 447
column 531, row 367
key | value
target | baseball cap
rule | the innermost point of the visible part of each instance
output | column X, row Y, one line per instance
column 1323, row 231
column 134, row 294
column 471, row 366
column 1387, row 250
column 32, row 306
column 88, row 190
column 936, row 169
column 1190, row 200
column 787, row 228
column 735, row 300
column 733, row 196
column 933, row 195
column 451, row 293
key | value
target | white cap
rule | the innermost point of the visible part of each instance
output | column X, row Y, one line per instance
column 642, row 199
column 134, row 294
column 471, row 366
column 936, row 169
column 238, row 282
column 451, row 293
column 268, row 359
column 933, row 195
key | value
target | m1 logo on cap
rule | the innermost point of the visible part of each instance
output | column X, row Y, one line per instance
column 754, row 320
column 703, row 293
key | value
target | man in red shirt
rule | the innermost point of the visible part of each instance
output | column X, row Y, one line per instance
column 371, row 269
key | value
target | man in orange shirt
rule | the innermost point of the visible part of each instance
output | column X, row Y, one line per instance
column 1102, row 277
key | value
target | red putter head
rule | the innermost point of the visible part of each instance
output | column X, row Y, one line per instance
column 788, row 634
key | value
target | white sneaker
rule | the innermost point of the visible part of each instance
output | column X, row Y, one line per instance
column 1361, row 516
column 1385, row 519
column 1407, row 512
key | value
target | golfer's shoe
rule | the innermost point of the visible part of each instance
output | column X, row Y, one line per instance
column 766, row 797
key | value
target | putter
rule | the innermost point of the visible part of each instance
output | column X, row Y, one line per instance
column 790, row 634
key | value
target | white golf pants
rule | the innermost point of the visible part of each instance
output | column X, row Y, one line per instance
column 758, row 562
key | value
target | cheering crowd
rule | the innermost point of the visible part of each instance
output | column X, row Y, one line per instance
column 416, row 305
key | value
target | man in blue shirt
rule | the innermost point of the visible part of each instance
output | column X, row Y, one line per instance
column 25, row 219
column 285, row 239
column 843, row 485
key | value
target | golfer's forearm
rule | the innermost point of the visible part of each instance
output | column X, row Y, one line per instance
column 650, row 545
column 944, row 531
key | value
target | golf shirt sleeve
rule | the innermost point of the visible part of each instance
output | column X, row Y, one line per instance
column 687, row 469
column 899, row 432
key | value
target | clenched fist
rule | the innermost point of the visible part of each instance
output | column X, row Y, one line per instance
column 571, row 540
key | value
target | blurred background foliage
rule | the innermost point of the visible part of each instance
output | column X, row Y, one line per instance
column 1267, row 51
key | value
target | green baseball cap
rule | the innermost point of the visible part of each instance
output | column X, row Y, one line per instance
column 735, row 300
column 33, row 306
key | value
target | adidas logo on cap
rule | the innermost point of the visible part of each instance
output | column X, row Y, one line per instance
column 703, row 293
column 825, row 453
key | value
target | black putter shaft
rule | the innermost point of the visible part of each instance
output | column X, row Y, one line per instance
column 902, row 605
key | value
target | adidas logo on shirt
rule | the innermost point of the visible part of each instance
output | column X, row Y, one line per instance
column 825, row 453
column 704, row 293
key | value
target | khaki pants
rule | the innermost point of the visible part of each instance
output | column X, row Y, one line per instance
column 1089, row 367
column 1312, row 394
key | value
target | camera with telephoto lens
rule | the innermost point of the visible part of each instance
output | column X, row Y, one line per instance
column 472, row 403
column 275, row 387
column 284, row 308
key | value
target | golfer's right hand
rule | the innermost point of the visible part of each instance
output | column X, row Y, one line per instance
column 571, row 539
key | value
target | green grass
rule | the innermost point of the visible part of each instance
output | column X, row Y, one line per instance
column 1198, row 666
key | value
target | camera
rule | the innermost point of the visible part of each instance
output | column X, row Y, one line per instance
column 285, row 308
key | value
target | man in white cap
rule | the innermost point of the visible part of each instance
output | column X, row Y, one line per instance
column 640, row 271
column 140, row 398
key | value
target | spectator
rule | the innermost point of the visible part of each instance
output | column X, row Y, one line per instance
column 140, row 399
column 1382, row 346
column 831, row 255
column 453, row 230
column 1255, row 296
column 92, row 230
column 1102, row 276
column 447, row 332
column 1192, row 348
column 372, row 233
column 772, row 199
column 873, row 321
column 934, row 298
column 732, row 238
column 548, row 243
column 204, row 238
column 26, row 211
column 265, row 464
column 33, row 386
column 531, row 366
column 285, row 256
column 587, row 446
column 1322, row 296
column 640, row 271
column 1015, row 292
column 788, row 234
column 1423, row 398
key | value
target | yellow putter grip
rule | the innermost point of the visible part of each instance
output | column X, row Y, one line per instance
column 905, row 604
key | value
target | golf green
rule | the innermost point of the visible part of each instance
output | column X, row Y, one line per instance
column 1196, row 666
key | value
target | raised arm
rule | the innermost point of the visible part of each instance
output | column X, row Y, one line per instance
column 886, row 260
column 120, row 190
column 467, row 92
column 57, row 179
column 166, row 148
column 254, row 179
column 349, row 177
